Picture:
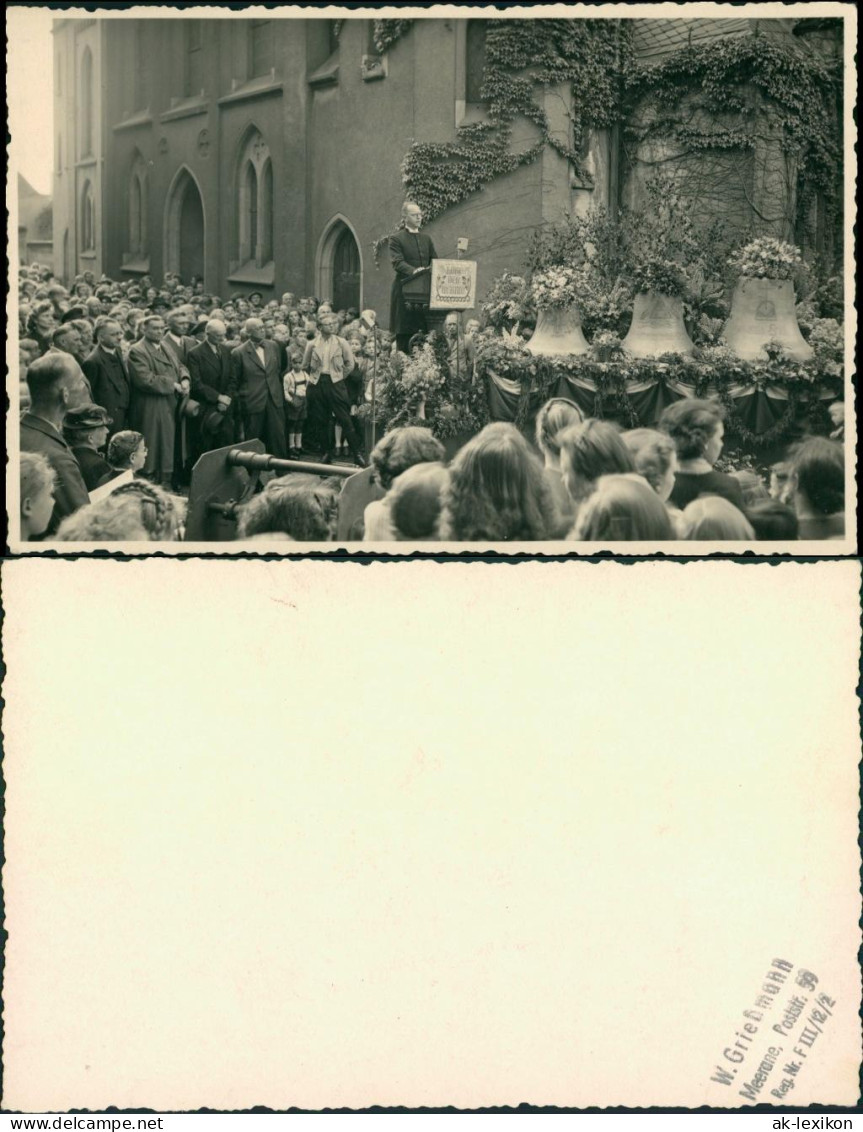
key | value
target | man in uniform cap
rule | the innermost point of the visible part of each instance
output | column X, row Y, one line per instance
column 256, row 299
column 85, row 430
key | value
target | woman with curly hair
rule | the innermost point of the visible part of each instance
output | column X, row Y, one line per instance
column 41, row 325
column 393, row 454
column 301, row 506
column 551, row 420
column 497, row 491
column 697, row 429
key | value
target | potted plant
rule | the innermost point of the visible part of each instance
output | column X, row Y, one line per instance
column 763, row 305
column 554, row 292
column 657, row 316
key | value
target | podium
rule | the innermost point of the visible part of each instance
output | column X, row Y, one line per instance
column 416, row 292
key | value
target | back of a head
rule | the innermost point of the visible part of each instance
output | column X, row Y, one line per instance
column 818, row 471
column 752, row 486
column 652, row 452
column 416, row 499
column 555, row 416
column 713, row 518
column 36, row 473
column 623, row 508
column 112, row 519
column 297, row 505
column 122, row 447
column 691, row 423
column 46, row 375
column 160, row 513
column 497, row 489
column 772, row 520
column 595, row 448
column 401, row 449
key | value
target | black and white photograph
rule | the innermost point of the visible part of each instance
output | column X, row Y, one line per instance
column 431, row 280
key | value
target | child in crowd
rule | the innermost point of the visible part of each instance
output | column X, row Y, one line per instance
column 296, row 383
column 416, row 501
column 127, row 452
column 37, row 494
column 713, row 518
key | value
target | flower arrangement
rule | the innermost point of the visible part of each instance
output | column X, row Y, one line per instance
column 766, row 258
column 827, row 339
column 554, row 287
column 663, row 276
column 507, row 301
column 604, row 304
column 606, row 346
column 422, row 374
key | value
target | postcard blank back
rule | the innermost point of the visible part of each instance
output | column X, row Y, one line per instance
column 320, row 834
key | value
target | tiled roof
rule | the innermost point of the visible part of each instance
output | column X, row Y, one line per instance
column 658, row 37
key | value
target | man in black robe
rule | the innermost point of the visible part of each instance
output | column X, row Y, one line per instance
column 411, row 253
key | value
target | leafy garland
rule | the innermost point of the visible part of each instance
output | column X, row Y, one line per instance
column 522, row 58
column 540, row 377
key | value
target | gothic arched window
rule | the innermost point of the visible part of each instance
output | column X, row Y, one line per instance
column 255, row 202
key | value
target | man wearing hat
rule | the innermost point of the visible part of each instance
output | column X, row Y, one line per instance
column 256, row 300
column 85, row 430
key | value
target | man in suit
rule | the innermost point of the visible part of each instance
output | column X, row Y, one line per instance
column 157, row 385
column 260, row 392
column 56, row 385
column 411, row 253
column 211, row 372
column 178, row 342
column 106, row 371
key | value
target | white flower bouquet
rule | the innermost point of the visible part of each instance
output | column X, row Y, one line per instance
column 767, row 258
column 554, row 287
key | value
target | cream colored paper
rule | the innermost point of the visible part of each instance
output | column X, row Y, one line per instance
column 31, row 116
column 325, row 834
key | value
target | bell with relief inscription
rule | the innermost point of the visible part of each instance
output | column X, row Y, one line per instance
column 558, row 331
column 657, row 327
column 762, row 311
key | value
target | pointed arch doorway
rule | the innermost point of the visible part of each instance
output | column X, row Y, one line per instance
column 340, row 266
column 184, row 227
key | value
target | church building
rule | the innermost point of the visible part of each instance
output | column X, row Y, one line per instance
column 265, row 154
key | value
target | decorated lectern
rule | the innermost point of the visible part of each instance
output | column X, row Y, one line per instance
column 449, row 285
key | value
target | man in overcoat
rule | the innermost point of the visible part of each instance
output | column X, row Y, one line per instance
column 157, row 383
column 108, row 374
column 211, row 372
column 260, row 392
column 411, row 253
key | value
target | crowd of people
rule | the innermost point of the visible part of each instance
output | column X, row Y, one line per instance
column 112, row 400
column 173, row 372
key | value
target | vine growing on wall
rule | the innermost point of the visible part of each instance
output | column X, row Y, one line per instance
column 522, row 59
column 767, row 99
column 735, row 95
